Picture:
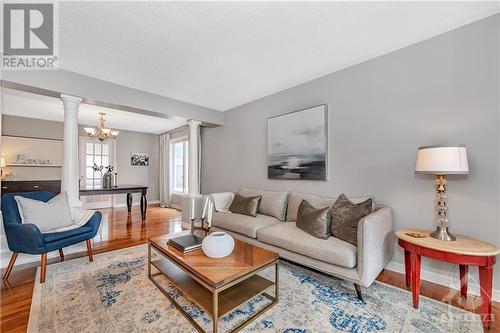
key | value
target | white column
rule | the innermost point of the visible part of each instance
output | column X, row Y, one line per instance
column 193, row 157
column 69, row 181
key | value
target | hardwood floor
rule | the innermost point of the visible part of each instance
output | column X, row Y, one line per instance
column 124, row 230
column 119, row 231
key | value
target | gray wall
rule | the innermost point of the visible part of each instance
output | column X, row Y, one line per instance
column 127, row 142
column 444, row 90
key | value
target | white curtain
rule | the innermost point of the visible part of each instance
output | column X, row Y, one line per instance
column 164, row 169
column 199, row 160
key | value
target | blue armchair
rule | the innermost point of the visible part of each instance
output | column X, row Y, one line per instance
column 27, row 238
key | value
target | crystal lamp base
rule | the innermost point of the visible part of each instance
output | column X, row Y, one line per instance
column 442, row 233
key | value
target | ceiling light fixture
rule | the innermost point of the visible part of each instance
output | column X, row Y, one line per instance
column 102, row 133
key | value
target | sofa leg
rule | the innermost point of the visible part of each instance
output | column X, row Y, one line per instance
column 89, row 250
column 43, row 268
column 10, row 266
column 61, row 254
column 358, row 291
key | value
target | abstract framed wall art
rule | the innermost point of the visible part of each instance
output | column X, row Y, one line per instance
column 139, row 159
column 297, row 144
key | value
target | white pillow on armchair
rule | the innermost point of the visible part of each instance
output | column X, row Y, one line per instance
column 54, row 215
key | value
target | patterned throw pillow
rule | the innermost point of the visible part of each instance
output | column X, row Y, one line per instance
column 245, row 205
column 314, row 221
column 345, row 218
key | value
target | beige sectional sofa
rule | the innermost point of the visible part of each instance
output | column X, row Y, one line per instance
column 274, row 228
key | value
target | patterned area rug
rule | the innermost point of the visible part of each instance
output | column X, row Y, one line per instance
column 114, row 294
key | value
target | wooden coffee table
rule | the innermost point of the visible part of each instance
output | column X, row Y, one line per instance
column 218, row 286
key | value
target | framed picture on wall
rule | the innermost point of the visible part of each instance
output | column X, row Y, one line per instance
column 139, row 159
column 297, row 144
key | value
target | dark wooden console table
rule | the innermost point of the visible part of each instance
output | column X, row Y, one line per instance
column 121, row 189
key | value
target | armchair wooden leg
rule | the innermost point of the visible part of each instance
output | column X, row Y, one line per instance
column 61, row 254
column 43, row 268
column 89, row 250
column 10, row 266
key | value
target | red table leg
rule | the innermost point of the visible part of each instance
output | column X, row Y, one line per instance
column 464, row 269
column 415, row 278
column 407, row 268
column 486, row 283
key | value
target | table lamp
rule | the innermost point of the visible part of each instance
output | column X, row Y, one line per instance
column 441, row 161
column 2, row 165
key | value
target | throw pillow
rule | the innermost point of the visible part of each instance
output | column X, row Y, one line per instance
column 53, row 214
column 222, row 201
column 245, row 205
column 345, row 218
column 314, row 221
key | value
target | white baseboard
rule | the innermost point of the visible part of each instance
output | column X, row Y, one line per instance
column 136, row 203
column 444, row 280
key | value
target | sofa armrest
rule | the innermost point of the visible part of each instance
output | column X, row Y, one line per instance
column 222, row 200
column 376, row 239
column 24, row 238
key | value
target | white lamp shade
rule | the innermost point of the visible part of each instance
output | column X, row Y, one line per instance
column 442, row 160
column 193, row 205
column 2, row 162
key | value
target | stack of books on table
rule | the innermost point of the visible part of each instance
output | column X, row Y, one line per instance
column 185, row 243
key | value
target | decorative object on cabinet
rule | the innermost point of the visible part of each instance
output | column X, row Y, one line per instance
column 441, row 161
column 297, row 144
column 10, row 176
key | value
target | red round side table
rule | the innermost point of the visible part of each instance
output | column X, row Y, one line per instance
column 465, row 252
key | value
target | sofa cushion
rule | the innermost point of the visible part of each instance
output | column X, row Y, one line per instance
column 222, row 201
column 345, row 218
column 332, row 250
column 295, row 198
column 315, row 222
column 272, row 203
column 246, row 205
column 55, row 236
column 242, row 224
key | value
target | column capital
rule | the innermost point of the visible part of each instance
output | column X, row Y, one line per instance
column 71, row 99
column 193, row 123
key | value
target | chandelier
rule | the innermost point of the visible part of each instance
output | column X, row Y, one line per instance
column 102, row 133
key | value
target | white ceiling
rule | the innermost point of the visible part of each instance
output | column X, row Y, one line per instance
column 23, row 104
column 224, row 54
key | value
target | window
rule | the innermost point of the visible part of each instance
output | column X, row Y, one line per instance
column 178, row 170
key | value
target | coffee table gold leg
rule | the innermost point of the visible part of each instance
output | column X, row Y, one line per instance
column 276, row 281
column 215, row 311
column 149, row 259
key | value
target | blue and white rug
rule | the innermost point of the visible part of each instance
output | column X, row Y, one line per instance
column 114, row 294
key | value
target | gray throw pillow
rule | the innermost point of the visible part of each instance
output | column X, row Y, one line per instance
column 314, row 221
column 345, row 218
column 245, row 205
